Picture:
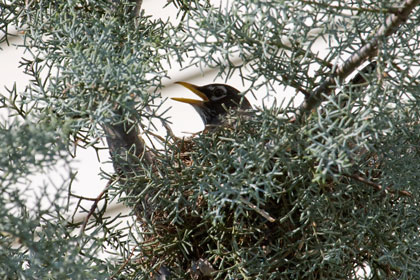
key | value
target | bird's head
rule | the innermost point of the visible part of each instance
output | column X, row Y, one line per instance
column 215, row 100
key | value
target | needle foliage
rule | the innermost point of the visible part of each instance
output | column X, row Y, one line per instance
column 326, row 189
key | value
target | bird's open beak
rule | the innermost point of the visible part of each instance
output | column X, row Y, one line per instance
column 195, row 90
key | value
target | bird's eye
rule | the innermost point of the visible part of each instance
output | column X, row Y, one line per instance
column 219, row 93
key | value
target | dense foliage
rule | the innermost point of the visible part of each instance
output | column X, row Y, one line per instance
column 268, row 196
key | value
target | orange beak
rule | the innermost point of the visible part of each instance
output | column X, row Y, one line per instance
column 195, row 90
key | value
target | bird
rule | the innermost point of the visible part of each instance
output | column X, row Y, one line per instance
column 217, row 100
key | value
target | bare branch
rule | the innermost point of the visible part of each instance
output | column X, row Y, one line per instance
column 94, row 205
column 258, row 210
column 125, row 262
column 376, row 186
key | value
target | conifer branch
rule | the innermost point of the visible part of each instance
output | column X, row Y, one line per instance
column 350, row 65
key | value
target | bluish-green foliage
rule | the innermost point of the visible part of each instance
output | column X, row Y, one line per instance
column 266, row 197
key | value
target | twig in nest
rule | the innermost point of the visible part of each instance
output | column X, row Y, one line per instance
column 169, row 130
column 258, row 210
column 360, row 178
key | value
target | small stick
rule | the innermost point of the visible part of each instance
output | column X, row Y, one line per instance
column 94, row 205
column 258, row 210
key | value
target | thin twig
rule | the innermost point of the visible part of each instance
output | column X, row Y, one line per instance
column 296, row 86
column 157, row 136
column 94, row 205
column 83, row 197
column 258, row 210
column 169, row 130
column 125, row 262
column 376, row 186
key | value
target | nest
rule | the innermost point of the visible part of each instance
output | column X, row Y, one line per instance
column 211, row 218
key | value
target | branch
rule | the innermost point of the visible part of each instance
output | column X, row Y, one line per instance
column 258, row 210
column 296, row 85
column 391, row 24
column 94, row 205
column 125, row 262
column 376, row 186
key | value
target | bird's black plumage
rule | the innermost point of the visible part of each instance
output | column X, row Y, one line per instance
column 217, row 99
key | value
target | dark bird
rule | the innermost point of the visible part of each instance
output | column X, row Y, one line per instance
column 217, row 100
